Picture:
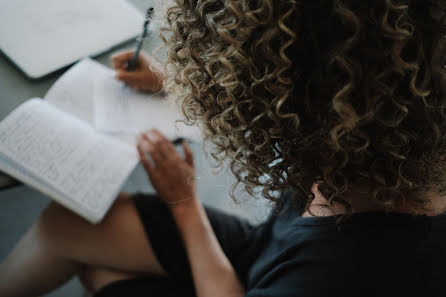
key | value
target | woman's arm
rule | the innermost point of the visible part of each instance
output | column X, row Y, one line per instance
column 213, row 274
column 173, row 178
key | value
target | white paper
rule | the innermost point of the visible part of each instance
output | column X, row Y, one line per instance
column 120, row 109
column 90, row 92
column 112, row 105
column 73, row 92
column 68, row 155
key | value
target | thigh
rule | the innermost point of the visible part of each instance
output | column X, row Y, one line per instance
column 240, row 241
column 118, row 242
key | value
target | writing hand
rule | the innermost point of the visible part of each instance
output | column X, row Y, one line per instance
column 147, row 76
column 171, row 175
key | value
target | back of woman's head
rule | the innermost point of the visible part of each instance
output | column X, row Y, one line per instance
column 343, row 93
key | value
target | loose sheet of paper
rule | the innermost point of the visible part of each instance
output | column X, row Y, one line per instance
column 121, row 109
column 90, row 92
column 74, row 91
column 68, row 155
column 112, row 105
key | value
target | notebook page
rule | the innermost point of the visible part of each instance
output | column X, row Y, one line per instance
column 89, row 91
column 73, row 92
column 112, row 99
column 23, row 175
column 67, row 154
column 122, row 109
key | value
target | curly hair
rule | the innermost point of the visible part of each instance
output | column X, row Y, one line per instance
column 340, row 93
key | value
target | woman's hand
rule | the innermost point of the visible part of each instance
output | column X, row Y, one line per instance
column 147, row 76
column 171, row 175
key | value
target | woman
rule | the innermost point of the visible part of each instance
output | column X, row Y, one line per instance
column 338, row 105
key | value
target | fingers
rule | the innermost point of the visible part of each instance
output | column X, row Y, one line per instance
column 161, row 150
column 164, row 143
column 129, row 77
column 119, row 61
column 147, row 75
column 142, row 150
column 189, row 156
column 139, row 80
column 157, row 155
column 158, row 146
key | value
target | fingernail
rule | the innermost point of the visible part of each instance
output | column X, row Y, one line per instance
column 150, row 136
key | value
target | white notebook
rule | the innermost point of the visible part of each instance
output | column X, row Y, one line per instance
column 46, row 35
column 65, row 158
column 79, row 145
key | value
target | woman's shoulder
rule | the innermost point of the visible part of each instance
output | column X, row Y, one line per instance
column 392, row 249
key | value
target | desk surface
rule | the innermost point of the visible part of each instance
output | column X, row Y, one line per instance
column 16, row 89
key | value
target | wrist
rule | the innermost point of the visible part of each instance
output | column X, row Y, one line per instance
column 184, row 209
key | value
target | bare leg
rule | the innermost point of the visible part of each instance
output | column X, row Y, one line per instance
column 61, row 243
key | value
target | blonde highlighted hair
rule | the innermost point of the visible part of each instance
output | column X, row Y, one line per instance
column 336, row 92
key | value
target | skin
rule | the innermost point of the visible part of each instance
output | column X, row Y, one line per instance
column 67, row 246
column 359, row 203
column 148, row 75
column 213, row 273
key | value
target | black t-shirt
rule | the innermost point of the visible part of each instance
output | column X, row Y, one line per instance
column 370, row 254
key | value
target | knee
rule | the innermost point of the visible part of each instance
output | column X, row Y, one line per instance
column 124, row 195
column 56, row 220
column 62, row 228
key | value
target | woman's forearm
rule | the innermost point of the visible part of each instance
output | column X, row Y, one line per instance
column 213, row 274
column 171, row 175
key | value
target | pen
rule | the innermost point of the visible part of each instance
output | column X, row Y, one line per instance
column 132, row 63
column 178, row 141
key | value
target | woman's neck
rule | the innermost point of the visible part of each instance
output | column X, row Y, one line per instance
column 359, row 202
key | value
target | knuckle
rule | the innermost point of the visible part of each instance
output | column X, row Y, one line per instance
column 151, row 149
column 158, row 141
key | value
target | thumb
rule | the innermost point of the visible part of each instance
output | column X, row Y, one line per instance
column 189, row 156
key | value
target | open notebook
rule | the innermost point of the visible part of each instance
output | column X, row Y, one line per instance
column 59, row 147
